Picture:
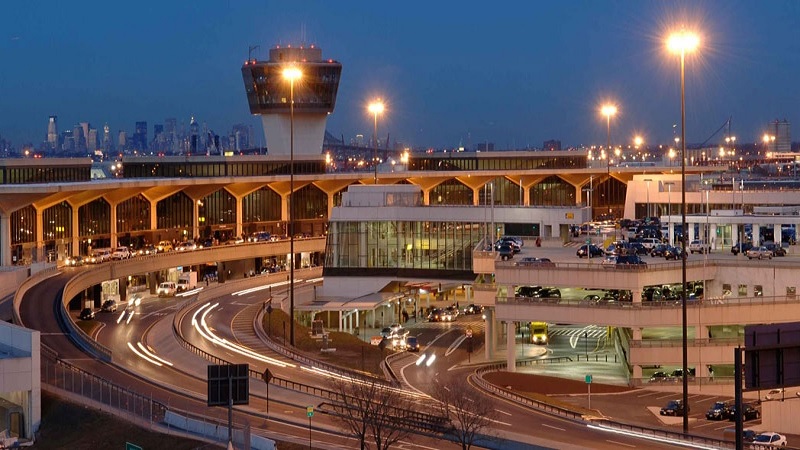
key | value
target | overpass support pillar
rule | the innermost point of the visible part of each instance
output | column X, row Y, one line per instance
column 712, row 236
column 488, row 338
column 637, row 333
column 113, row 226
column 636, row 297
column 671, row 231
column 691, row 233
column 637, row 374
column 756, row 235
column 735, row 229
column 776, row 234
column 511, row 348
column 123, row 289
column 5, row 239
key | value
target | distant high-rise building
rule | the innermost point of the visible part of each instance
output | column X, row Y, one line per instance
column 552, row 145
column 107, row 144
column 781, row 129
column 485, row 147
column 91, row 140
column 241, row 134
column 78, row 139
column 67, row 141
column 122, row 141
column 194, row 131
column 159, row 138
column 139, row 140
column 52, row 132
column 171, row 135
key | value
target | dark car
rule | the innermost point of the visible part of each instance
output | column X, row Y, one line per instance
column 435, row 315
column 549, row 292
column 86, row 314
column 109, row 306
column 674, row 253
column 506, row 251
column 718, row 411
column 527, row 291
column 674, row 408
column 659, row 376
column 741, row 247
column 473, row 309
column 776, row 249
column 629, row 261
column 749, row 412
column 412, row 344
column 589, row 251
column 636, row 248
column 658, row 250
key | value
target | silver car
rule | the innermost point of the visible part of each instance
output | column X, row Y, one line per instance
column 759, row 252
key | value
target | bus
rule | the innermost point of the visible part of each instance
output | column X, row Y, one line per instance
column 539, row 333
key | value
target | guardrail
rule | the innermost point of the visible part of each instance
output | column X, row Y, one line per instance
column 691, row 303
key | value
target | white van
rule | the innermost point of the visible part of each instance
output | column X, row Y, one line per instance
column 167, row 289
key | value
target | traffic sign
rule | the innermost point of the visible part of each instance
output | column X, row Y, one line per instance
column 267, row 376
column 310, row 411
column 588, row 379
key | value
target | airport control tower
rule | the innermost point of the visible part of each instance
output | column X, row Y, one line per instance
column 314, row 97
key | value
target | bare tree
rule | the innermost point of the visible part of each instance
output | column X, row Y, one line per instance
column 372, row 410
column 468, row 412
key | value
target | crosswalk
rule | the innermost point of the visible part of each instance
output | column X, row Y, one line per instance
column 592, row 332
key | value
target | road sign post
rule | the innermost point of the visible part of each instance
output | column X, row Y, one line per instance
column 589, row 387
column 310, row 414
column 267, row 378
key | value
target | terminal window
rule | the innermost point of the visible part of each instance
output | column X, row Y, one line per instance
column 758, row 291
column 791, row 292
column 742, row 290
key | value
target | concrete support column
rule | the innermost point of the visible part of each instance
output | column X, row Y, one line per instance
column 285, row 211
column 358, row 321
column 776, row 233
column 637, row 333
column 756, row 235
column 636, row 296
column 330, row 203
column 735, row 233
column 487, row 338
column 691, row 232
column 426, row 197
column 239, row 214
column 511, row 347
column 702, row 331
column 340, row 321
column 637, row 372
column 526, row 196
column 712, row 236
column 36, row 252
column 476, row 196
column 671, row 231
column 153, row 215
column 113, row 225
column 196, row 220
column 5, row 239
column 123, row 289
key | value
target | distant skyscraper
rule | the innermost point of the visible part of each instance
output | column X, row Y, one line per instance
column 781, row 129
column 171, row 134
column 552, row 145
column 52, row 132
column 194, row 131
column 78, row 139
column 107, row 144
column 159, row 138
column 91, row 140
column 268, row 96
column 241, row 134
column 140, row 136
column 122, row 141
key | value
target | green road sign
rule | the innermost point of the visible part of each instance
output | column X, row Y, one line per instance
column 588, row 379
column 310, row 411
column 129, row 446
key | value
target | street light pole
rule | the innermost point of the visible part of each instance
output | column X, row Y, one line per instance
column 291, row 74
column 375, row 108
column 608, row 110
column 681, row 43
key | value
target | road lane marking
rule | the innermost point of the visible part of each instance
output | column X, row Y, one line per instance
column 553, row 427
column 620, row 443
column 503, row 412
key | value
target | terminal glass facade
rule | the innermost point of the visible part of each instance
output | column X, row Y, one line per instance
column 451, row 192
column 94, row 219
column 553, row 191
column 23, row 225
column 175, row 211
column 384, row 247
column 133, row 215
column 263, row 205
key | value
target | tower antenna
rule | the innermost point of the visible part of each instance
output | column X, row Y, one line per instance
column 250, row 51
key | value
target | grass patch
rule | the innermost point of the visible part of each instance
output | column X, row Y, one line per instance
column 351, row 352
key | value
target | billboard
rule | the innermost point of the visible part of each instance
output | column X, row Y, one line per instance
column 228, row 381
column 771, row 356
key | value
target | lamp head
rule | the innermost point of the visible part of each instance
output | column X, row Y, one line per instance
column 376, row 107
column 608, row 110
column 683, row 42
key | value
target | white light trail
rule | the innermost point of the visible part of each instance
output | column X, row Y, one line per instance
column 152, row 355
column 144, row 357
column 261, row 288
column 650, row 437
column 431, row 360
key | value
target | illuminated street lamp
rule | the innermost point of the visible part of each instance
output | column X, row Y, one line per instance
column 767, row 139
column 608, row 110
column 292, row 74
column 681, row 43
column 375, row 108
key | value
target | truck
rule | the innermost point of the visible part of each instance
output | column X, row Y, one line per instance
column 187, row 281
column 539, row 333
column 166, row 289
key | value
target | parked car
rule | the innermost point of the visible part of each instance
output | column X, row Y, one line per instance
column 589, row 251
column 774, row 394
column 109, row 306
column 674, row 408
column 698, row 246
column 636, row 248
column 549, row 292
column 514, row 247
column 759, row 253
column 629, row 261
column 749, row 412
column 658, row 250
column 86, row 314
column 186, row 246
column 719, row 410
column 148, row 249
column 776, row 249
column 536, row 262
column 741, row 247
column 527, row 291
column 649, row 243
column 435, row 315
column 659, row 376
column 609, row 261
column 770, row 438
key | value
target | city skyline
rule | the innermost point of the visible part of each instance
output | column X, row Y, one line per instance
column 441, row 73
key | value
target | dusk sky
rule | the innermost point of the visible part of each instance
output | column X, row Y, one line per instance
column 452, row 73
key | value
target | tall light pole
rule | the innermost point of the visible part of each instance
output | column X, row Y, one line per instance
column 647, row 214
column 669, row 210
column 608, row 110
column 291, row 74
column 375, row 108
column 681, row 43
